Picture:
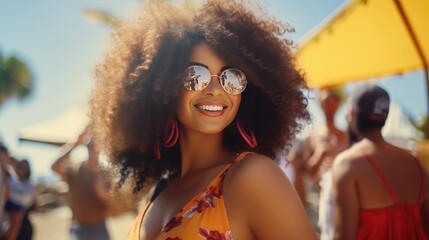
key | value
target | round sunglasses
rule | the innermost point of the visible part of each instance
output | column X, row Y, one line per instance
column 197, row 78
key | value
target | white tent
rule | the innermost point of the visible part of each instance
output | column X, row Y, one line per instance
column 58, row 130
column 399, row 126
column 399, row 130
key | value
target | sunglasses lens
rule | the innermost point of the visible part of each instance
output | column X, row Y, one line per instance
column 233, row 81
column 196, row 78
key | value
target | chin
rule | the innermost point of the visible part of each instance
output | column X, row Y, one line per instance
column 211, row 128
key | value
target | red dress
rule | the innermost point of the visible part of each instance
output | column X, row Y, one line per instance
column 398, row 221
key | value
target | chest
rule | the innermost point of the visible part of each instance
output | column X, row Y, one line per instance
column 176, row 202
column 163, row 210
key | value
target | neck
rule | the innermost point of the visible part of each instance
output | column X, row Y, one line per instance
column 330, row 122
column 374, row 135
column 201, row 151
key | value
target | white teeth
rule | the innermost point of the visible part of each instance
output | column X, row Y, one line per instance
column 210, row 108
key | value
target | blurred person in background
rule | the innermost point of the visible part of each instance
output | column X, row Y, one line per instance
column 23, row 172
column 88, row 195
column 319, row 150
column 4, row 186
column 22, row 197
column 381, row 191
column 323, row 146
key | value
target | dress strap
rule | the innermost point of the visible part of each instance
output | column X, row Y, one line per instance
column 423, row 182
column 383, row 178
column 241, row 156
column 237, row 159
column 219, row 178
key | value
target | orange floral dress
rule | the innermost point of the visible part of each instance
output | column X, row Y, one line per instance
column 203, row 217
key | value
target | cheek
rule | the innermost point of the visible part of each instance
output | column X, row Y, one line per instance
column 185, row 103
column 236, row 100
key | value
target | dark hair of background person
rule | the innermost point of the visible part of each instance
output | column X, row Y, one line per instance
column 363, row 118
column 140, row 83
column 364, row 123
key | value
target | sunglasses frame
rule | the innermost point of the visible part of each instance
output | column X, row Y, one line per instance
column 186, row 80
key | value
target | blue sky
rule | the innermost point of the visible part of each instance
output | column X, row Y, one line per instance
column 61, row 47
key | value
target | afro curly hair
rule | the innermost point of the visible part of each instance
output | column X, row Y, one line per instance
column 140, row 83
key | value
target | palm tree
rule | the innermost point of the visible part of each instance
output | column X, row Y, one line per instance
column 16, row 79
column 98, row 15
column 106, row 17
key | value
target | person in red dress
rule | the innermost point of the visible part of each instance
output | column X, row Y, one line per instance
column 381, row 191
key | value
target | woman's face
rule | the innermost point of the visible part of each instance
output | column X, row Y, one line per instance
column 212, row 109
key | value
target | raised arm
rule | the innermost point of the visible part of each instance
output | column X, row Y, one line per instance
column 62, row 163
column 346, row 200
column 266, row 203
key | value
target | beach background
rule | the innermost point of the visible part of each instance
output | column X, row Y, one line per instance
column 61, row 44
column 54, row 224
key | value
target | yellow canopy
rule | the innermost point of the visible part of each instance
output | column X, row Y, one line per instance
column 368, row 39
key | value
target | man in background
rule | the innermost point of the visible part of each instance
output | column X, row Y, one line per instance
column 319, row 151
column 88, row 197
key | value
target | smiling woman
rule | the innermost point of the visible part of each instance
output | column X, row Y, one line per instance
column 197, row 104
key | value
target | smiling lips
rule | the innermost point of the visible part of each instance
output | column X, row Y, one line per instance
column 211, row 110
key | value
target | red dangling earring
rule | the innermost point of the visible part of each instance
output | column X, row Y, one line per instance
column 249, row 138
column 171, row 138
column 171, row 135
column 157, row 151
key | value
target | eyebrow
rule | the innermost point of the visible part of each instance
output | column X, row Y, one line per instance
column 198, row 64
column 205, row 66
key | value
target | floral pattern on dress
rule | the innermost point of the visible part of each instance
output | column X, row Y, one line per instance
column 214, row 235
column 204, row 202
column 221, row 177
column 183, row 226
column 176, row 221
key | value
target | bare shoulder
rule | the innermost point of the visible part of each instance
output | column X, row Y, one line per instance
column 347, row 157
column 260, row 198
column 255, row 170
column 255, row 176
column 348, row 161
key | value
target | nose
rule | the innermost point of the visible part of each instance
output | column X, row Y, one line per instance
column 214, row 87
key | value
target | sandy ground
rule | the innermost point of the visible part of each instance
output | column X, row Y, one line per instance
column 55, row 223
